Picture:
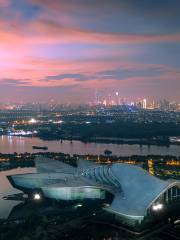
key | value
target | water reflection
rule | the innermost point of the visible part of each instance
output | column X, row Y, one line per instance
column 21, row 145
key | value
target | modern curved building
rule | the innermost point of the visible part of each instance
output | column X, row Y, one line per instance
column 138, row 197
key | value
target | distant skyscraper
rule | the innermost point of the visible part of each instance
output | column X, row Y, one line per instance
column 144, row 103
column 117, row 98
column 105, row 102
column 164, row 105
column 96, row 102
column 109, row 100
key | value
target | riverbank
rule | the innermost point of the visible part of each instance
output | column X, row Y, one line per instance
column 130, row 141
column 156, row 141
column 169, row 164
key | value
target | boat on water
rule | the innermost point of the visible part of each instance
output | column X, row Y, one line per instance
column 40, row 147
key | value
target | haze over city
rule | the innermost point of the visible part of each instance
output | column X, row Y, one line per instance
column 67, row 49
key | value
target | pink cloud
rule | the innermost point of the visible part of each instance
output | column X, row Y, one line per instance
column 48, row 31
column 19, row 40
column 36, row 71
column 45, row 31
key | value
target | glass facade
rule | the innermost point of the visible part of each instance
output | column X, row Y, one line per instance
column 74, row 193
column 172, row 194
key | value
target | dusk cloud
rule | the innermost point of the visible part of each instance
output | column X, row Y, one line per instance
column 81, row 45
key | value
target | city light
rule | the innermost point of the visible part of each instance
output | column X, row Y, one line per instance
column 157, row 207
column 79, row 205
column 37, row 196
column 33, row 121
column 20, row 133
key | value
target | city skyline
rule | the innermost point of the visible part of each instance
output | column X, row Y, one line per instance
column 66, row 49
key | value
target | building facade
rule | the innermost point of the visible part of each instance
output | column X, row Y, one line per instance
column 138, row 197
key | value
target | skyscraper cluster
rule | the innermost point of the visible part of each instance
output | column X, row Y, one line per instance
column 116, row 99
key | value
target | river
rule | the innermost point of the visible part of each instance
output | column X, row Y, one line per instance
column 24, row 144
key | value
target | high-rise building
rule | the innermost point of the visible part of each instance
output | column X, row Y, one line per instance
column 96, row 102
column 144, row 103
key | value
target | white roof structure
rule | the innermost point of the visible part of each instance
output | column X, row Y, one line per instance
column 140, row 190
column 84, row 164
column 134, row 189
column 44, row 164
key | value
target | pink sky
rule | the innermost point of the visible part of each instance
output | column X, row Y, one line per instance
column 79, row 47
